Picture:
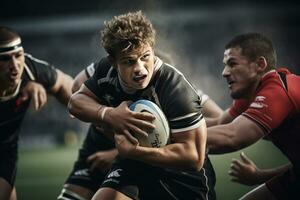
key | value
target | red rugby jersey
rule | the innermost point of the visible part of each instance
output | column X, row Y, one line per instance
column 276, row 108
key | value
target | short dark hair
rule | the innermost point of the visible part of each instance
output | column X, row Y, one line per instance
column 7, row 35
column 254, row 45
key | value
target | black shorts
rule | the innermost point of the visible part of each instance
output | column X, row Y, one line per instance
column 81, row 175
column 8, row 163
column 140, row 181
column 284, row 186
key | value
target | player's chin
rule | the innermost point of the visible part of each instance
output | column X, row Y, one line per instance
column 236, row 94
column 140, row 86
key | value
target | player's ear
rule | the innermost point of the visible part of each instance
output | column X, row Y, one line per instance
column 112, row 60
column 261, row 64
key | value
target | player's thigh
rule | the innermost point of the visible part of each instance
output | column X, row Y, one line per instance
column 106, row 193
column 259, row 193
column 77, row 192
column 5, row 189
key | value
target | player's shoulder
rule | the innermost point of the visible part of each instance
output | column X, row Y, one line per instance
column 103, row 68
column 165, row 71
column 32, row 61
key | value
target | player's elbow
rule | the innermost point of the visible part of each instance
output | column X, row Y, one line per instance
column 72, row 105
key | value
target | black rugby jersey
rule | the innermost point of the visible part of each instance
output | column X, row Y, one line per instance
column 169, row 89
column 12, row 109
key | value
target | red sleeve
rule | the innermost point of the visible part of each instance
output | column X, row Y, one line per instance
column 270, row 107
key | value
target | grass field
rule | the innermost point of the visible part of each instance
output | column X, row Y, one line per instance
column 41, row 173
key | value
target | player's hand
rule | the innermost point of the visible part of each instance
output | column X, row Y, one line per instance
column 124, row 145
column 244, row 171
column 124, row 121
column 102, row 160
column 36, row 92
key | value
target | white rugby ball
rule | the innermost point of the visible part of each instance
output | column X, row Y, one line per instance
column 158, row 137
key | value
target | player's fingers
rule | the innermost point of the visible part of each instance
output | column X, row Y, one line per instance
column 141, row 124
column 137, row 130
column 233, row 172
column 41, row 100
column 145, row 116
column 238, row 164
column 35, row 99
column 128, row 135
column 234, row 167
column 245, row 158
column 44, row 98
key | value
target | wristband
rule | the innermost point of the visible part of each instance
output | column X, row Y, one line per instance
column 103, row 113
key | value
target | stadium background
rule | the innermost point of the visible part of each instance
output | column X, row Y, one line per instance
column 193, row 33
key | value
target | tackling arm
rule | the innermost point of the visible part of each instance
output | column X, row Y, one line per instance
column 223, row 118
column 238, row 134
column 62, row 87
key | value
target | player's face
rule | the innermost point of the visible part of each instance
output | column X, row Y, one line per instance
column 240, row 74
column 136, row 67
column 11, row 68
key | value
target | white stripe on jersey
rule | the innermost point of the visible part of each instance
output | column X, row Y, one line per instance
column 29, row 72
column 190, row 127
column 158, row 63
column 183, row 117
column 36, row 60
column 206, row 183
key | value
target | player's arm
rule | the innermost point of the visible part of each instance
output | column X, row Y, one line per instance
column 246, row 172
column 84, row 105
column 79, row 79
column 223, row 118
column 62, row 87
column 211, row 110
column 238, row 134
column 186, row 151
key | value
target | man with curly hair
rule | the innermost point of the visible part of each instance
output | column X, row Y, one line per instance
column 131, row 71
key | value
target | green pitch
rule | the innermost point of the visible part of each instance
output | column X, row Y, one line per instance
column 41, row 173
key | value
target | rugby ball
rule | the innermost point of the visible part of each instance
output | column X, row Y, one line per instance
column 158, row 137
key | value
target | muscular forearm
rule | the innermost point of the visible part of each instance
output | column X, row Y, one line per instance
column 87, row 113
column 178, row 156
column 63, row 94
column 186, row 152
column 220, row 139
column 62, row 89
column 233, row 136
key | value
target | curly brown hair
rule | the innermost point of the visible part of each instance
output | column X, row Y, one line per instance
column 127, row 32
